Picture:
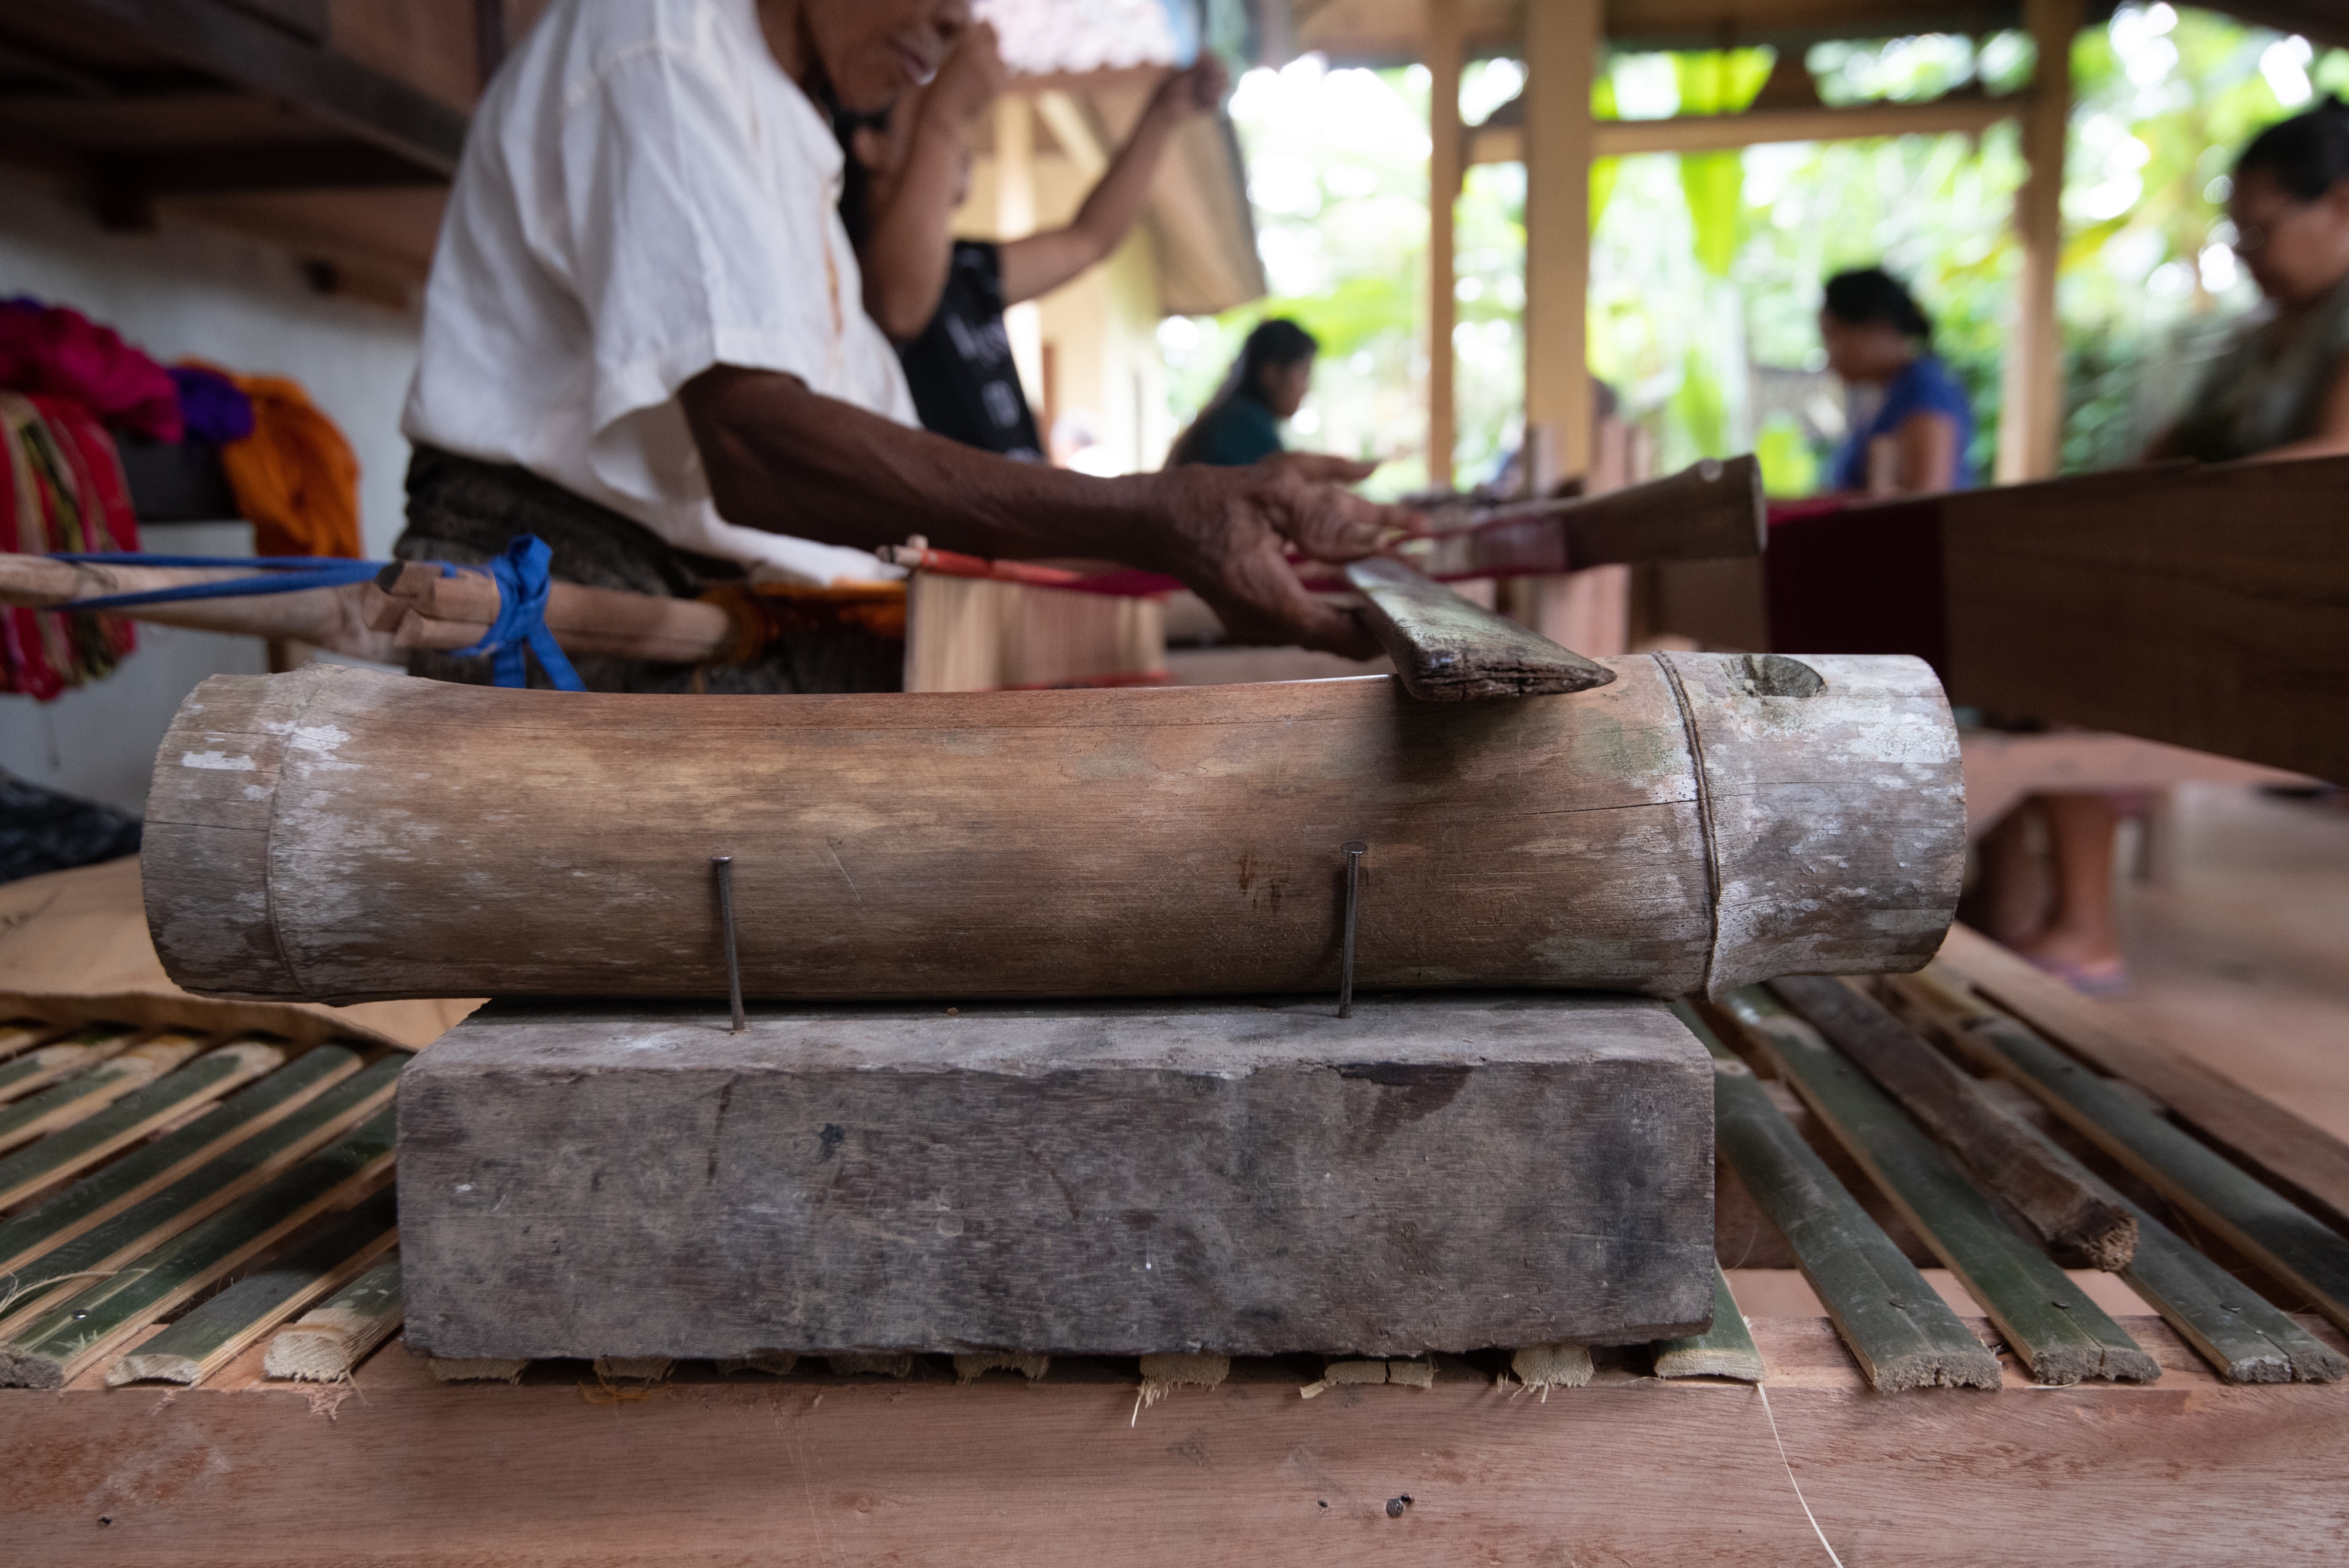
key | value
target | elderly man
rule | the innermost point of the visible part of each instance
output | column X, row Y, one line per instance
column 644, row 342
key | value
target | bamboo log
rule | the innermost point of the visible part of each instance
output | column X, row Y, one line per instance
column 1898, row 1328
column 337, row 835
column 328, row 1343
column 332, row 619
column 133, row 1118
column 209, row 1337
column 2082, row 1220
column 138, row 1176
column 2059, row 1333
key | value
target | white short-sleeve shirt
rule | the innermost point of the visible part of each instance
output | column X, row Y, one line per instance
column 644, row 194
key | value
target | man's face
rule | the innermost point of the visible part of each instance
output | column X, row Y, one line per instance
column 873, row 51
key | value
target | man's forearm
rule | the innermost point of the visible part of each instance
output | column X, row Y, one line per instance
column 790, row 461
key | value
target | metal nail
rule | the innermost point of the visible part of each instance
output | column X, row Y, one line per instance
column 1355, row 849
column 725, row 865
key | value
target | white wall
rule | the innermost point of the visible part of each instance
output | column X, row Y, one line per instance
column 187, row 292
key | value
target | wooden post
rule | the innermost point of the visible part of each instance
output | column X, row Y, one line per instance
column 1445, row 139
column 1562, row 39
column 1015, row 218
column 2031, row 421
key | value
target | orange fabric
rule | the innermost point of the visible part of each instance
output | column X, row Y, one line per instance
column 295, row 476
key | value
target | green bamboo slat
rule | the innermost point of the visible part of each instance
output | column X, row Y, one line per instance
column 328, row 1343
column 2255, row 1219
column 88, row 1093
column 2048, row 1321
column 142, row 1172
column 208, row 1339
column 133, row 1118
column 55, row 1348
column 2238, row 1331
column 219, row 1182
column 38, row 1069
column 1897, row 1327
column 1724, row 1350
column 22, row 1034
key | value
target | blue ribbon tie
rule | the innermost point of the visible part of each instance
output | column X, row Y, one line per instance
column 522, row 584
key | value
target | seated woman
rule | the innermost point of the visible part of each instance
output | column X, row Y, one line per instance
column 2280, row 390
column 1875, row 334
column 1241, row 424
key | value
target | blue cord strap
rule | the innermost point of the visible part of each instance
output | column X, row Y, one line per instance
column 523, row 585
column 521, row 574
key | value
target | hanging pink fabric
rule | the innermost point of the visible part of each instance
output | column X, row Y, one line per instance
column 61, row 352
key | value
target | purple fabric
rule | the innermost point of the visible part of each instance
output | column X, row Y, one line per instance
column 213, row 408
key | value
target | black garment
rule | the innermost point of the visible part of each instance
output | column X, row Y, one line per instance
column 464, row 512
column 965, row 383
column 41, row 830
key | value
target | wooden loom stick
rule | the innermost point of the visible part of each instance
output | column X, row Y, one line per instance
column 1447, row 648
column 2228, row 1323
column 2047, row 1320
column 133, row 1118
column 331, row 618
column 208, row 1339
column 326, row 1344
column 425, row 609
column 2255, row 1129
column 48, row 1351
column 2255, row 1219
column 204, row 1191
column 38, row 1069
column 2073, row 1211
column 1896, row 1325
column 1724, row 1350
column 136, row 1175
column 1712, row 510
column 87, row 1093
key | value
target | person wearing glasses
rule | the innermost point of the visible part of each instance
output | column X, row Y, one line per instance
column 2282, row 389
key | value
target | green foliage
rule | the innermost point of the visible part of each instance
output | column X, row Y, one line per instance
column 1719, row 82
column 1790, row 465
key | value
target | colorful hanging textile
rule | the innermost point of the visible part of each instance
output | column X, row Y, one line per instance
column 60, row 352
column 212, row 407
column 62, row 488
column 295, row 476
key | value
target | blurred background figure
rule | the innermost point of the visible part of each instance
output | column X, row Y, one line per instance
column 1877, row 336
column 1241, row 424
column 2280, row 390
column 942, row 299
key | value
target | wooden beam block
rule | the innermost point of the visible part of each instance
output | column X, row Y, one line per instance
column 207, row 1339
column 1701, row 821
column 1440, row 1173
column 1709, row 511
column 2082, row 1220
column 326, row 1344
column 2046, row 1319
column 1447, row 648
column 133, row 1118
column 1898, row 1329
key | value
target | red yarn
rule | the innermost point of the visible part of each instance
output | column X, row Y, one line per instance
column 61, row 352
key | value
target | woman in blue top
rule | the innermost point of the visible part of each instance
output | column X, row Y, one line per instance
column 1875, row 334
column 1268, row 384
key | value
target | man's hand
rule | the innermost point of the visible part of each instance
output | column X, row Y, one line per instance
column 1195, row 92
column 971, row 80
column 1230, row 533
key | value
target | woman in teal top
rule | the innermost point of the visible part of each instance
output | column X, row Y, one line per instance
column 1267, row 384
column 2282, row 389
